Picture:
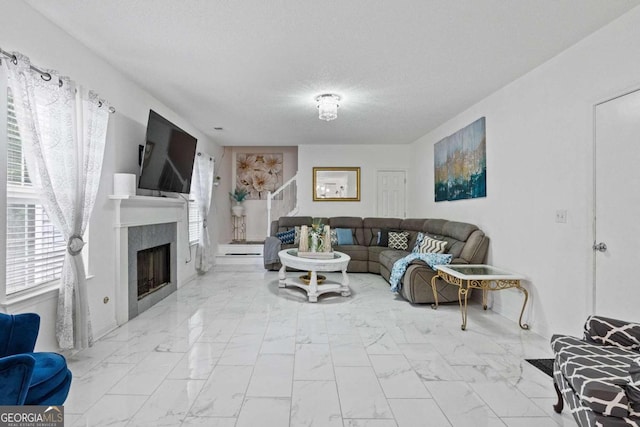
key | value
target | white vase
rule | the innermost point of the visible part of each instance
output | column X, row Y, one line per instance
column 237, row 210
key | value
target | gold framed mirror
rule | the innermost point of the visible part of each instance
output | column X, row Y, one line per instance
column 336, row 184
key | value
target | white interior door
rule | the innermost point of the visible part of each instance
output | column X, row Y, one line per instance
column 391, row 194
column 617, row 208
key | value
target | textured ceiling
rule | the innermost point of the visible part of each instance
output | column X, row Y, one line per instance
column 254, row 67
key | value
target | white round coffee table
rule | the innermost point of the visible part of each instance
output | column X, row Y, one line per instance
column 339, row 262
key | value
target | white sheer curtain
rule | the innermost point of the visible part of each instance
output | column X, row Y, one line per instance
column 202, row 186
column 63, row 130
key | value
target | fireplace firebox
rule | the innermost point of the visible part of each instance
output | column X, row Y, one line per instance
column 154, row 270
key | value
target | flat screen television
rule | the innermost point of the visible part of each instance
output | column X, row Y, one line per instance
column 167, row 158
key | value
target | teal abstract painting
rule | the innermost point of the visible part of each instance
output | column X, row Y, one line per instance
column 460, row 164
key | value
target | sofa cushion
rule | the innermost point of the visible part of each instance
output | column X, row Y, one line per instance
column 287, row 222
column 356, row 252
column 399, row 240
column 454, row 247
column 458, row 230
column 434, row 226
column 374, row 253
column 597, row 374
column 390, row 256
column 372, row 226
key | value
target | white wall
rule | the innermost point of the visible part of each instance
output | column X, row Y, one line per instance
column 539, row 160
column 24, row 30
column 370, row 159
column 256, row 210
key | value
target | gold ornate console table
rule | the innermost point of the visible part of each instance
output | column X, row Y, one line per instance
column 479, row 276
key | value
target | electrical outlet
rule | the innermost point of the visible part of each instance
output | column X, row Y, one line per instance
column 561, row 216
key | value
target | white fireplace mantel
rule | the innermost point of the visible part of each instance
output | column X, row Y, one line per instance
column 133, row 211
column 146, row 210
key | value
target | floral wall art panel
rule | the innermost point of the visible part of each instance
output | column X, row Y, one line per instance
column 460, row 164
column 259, row 173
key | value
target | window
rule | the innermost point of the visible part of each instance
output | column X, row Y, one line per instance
column 35, row 249
column 194, row 221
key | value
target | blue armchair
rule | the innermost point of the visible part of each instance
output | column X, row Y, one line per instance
column 28, row 377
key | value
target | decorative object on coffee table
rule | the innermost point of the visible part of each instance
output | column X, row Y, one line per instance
column 315, row 242
column 303, row 245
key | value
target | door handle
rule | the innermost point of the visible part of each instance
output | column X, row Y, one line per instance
column 600, row 247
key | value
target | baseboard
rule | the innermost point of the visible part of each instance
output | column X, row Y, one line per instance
column 104, row 331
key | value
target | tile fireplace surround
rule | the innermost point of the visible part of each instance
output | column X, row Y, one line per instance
column 143, row 222
column 146, row 237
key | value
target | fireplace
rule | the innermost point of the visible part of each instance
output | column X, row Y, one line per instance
column 152, row 265
column 153, row 269
column 143, row 222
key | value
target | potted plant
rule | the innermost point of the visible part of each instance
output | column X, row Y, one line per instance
column 238, row 195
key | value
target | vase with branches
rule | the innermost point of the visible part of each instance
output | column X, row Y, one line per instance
column 238, row 196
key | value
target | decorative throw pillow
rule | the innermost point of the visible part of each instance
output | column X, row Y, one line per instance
column 334, row 237
column 383, row 237
column 429, row 245
column 416, row 247
column 286, row 237
column 399, row 240
column 345, row 236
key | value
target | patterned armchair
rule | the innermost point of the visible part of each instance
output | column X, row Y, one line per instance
column 599, row 376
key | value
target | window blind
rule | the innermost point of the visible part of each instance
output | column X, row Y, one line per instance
column 35, row 249
column 194, row 221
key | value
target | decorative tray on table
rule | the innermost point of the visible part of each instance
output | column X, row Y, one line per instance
column 317, row 255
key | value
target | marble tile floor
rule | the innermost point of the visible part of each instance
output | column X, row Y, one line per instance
column 232, row 349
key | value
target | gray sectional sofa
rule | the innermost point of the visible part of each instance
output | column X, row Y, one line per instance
column 465, row 242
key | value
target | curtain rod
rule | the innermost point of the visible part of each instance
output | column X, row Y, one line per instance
column 45, row 76
column 205, row 154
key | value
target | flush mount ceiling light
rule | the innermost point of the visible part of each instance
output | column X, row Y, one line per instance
column 328, row 106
